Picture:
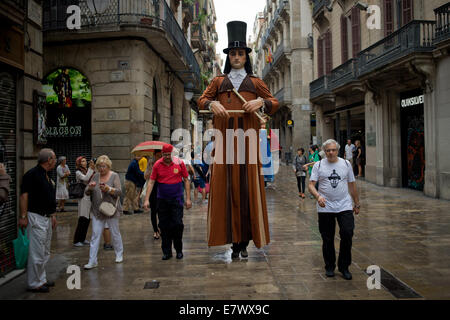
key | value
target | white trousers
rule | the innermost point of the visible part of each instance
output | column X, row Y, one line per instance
column 97, row 230
column 40, row 235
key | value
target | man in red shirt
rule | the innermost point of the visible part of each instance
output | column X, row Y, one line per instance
column 169, row 174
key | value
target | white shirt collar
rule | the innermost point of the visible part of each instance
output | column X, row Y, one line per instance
column 237, row 73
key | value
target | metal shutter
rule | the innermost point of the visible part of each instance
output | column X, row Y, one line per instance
column 8, row 217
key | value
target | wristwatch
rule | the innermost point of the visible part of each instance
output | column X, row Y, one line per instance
column 357, row 206
column 23, row 217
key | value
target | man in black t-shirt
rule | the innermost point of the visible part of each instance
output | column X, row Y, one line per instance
column 37, row 214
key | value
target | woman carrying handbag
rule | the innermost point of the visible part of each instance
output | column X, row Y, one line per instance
column 105, row 191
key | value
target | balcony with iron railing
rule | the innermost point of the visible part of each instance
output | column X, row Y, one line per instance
column 414, row 37
column 319, row 87
column 344, row 74
column 319, row 5
column 152, row 20
column 276, row 59
column 284, row 96
column 442, row 23
column 197, row 39
column 188, row 10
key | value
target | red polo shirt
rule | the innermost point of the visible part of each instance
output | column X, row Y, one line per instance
column 169, row 174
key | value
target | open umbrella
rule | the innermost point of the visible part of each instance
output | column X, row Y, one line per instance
column 147, row 148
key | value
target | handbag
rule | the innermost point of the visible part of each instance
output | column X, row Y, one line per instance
column 76, row 190
column 107, row 208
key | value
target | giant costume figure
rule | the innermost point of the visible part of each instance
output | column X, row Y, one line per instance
column 237, row 209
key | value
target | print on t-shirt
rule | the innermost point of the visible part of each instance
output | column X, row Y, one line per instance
column 334, row 179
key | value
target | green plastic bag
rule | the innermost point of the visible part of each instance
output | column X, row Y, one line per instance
column 21, row 245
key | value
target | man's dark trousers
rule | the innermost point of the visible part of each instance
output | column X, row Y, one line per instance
column 327, row 227
column 170, row 215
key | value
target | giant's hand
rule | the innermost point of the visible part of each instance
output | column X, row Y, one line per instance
column 219, row 110
column 253, row 105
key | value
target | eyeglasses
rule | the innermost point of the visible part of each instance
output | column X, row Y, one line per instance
column 331, row 150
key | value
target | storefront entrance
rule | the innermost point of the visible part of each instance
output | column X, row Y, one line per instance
column 68, row 118
column 412, row 137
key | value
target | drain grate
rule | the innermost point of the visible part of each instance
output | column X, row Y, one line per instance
column 154, row 284
column 396, row 287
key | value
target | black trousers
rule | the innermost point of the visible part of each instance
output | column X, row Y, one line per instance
column 153, row 213
column 327, row 227
column 81, row 231
column 301, row 184
column 170, row 215
column 239, row 246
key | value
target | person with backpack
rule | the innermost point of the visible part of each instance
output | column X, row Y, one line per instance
column 337, row 188
column 300, row 171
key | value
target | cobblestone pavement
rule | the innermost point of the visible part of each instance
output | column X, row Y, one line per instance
column 400, row 230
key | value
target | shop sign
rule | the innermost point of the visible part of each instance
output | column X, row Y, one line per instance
column 409, row 102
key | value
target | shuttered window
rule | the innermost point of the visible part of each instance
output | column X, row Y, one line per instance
column 328, row 53
column 407, row 11
column 344, row 39
column 356, row 32
column 320, row 57
column 388, row 17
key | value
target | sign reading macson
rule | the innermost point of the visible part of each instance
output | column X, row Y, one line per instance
column 412, row 101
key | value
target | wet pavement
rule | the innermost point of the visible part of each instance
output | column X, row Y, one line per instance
column 402, row 231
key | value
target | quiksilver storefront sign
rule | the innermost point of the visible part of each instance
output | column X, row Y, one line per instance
column 409, row 102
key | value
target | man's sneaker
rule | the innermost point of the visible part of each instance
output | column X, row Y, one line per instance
column 235, row 255
column 119, row 259
column 244, row 253
column 166, row 256
column 329, row 273
column 90, row 266
column 346, row 274
column 108, row 247
column 179, row 255
column 78, row 244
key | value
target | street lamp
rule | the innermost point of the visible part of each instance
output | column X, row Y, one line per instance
column 189, row 91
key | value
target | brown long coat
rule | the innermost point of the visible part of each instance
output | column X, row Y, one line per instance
column 237, row 202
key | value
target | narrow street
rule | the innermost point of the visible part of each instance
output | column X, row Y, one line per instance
column 402, row 231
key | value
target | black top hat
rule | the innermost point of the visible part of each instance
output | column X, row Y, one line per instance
column 237, row 32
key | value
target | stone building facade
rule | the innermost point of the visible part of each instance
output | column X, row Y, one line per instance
column 386, row 86
column 283, row 34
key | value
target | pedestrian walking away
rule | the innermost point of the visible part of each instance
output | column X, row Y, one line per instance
column 37, row 214
column 169, row 172
column 300, row 171
column 337, row 188
column 237, row 211
column 134, row 181
column 104, row 187
column 83, row 174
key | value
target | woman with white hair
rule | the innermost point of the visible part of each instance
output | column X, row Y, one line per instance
column 62, row 193
column 104, row 187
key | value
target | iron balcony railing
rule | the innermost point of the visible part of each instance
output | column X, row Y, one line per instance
column 318, row 5
column 283, row 95
column 344, row 74
column 111, row 15
column 319, row 87
column 280, row 95
column 276, row 57
column 442, row 23
column 416, row 36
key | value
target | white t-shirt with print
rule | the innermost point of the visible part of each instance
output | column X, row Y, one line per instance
column 333, row 180
column 349, row 151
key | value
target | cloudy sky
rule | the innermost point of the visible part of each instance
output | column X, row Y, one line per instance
column 229, row 10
